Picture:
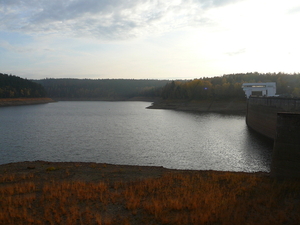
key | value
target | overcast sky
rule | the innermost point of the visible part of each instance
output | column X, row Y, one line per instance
column 148, row 39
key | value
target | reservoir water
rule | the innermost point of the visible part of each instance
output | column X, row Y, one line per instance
column 128, row 133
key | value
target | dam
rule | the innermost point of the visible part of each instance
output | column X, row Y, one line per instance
column 261, row 113
column 278, row 119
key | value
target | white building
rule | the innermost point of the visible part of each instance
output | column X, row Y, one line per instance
column 260, row 89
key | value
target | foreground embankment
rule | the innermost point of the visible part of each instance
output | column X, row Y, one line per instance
column 91, row 193
column 230, row 106
column 23, row 101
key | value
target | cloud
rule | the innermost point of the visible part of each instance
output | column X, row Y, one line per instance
column 215, row 3
column 7, row 46
column 238, row 52
column 104, row 19
column 294, row 10
column 24, row 48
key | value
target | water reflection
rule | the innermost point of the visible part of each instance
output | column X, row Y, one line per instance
column 258, row 148
column 127, row 133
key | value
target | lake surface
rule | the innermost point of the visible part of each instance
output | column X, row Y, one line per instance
column 128, row 133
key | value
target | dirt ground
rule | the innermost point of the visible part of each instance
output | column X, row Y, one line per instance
column 92, row 172
column 81, row 171
column 227, row 107
column 23, row 101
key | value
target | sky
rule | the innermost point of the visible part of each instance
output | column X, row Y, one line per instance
column 148, row 39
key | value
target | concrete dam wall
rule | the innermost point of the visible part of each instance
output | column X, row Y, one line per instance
column 286, row 150
column 262, row 113
column 279, row 119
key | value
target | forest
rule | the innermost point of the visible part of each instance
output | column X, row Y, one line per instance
column 218, row 88
column 15, row 87
column 229, row 86
column 103, row 89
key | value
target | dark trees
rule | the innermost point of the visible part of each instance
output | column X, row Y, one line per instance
column 230, row 86
column 102, row 88
column 15, row 87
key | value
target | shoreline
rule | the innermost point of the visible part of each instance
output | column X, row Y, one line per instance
column 47, row 171
column 106, row 99
column 237, row 107
column 23, row 101
column 226, row 107
column 39, row 165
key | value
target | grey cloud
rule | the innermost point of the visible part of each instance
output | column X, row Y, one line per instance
column 216, row 3
column 109, row 19
column 57, row 10
column 107, row 6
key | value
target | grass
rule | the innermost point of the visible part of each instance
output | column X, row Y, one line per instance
column 52, row 168
column 174, row 198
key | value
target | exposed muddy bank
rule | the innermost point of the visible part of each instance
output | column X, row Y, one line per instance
column 113, row 99
column 229, row 107
column 24, row 101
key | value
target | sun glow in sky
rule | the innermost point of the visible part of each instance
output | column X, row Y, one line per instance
column 148, row 39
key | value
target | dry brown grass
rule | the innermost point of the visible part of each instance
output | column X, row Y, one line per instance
column 174, row 198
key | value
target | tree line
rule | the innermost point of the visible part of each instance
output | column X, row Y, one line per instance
column 230, row 86
column 218, row 88
column 111, row 89
column 15, row 87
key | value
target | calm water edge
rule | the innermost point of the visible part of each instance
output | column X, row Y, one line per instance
column 128, row 133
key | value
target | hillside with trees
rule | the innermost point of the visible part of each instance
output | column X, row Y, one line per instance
column 15, row 87
column 224, row 87
column 228, row 87
column 102, row 89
